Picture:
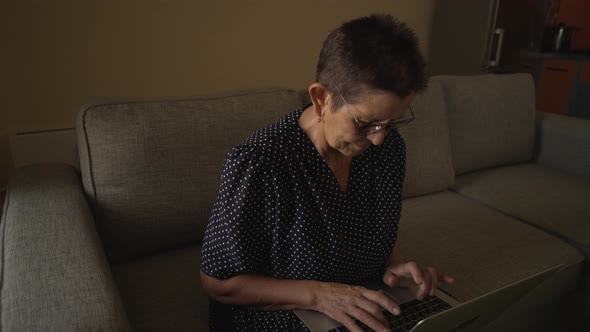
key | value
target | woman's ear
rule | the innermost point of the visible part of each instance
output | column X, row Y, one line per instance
column 320, row 97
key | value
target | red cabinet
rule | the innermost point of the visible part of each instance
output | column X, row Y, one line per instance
column 557, row 80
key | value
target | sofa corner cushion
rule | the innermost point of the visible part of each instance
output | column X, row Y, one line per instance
column 552, row 200
column 151, row 168
column 429, row 165
column 491, row 119
column 563, row 142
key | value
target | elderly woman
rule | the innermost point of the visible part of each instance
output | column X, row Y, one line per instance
column 308, row 207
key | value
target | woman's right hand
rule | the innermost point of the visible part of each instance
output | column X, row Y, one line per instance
column 346, row 303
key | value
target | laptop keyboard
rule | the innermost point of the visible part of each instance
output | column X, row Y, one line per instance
column 411, row 313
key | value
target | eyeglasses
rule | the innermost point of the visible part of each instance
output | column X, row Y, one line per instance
column 367, row 128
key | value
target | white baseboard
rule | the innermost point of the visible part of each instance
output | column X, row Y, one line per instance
column 44, row 146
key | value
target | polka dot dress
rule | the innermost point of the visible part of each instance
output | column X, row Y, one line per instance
column 281, row 212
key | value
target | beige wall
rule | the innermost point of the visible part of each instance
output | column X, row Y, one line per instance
column 68, row 52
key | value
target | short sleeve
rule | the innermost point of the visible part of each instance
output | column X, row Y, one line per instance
column 238, row 238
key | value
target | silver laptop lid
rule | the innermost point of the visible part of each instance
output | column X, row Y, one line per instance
column 460, row 317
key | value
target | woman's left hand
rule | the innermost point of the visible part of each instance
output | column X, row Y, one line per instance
column 427, row 279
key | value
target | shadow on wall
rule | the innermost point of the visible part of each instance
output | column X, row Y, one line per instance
column 6, row 164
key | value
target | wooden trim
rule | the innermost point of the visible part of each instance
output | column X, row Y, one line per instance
column 560, row 64
column 556, row 69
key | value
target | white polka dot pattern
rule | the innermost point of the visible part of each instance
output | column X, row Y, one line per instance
column 281, row 212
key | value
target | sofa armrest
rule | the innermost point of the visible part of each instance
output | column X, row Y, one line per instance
column 54, row 274
column 563, row 142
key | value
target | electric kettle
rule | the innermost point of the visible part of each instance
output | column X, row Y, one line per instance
column 558, row 38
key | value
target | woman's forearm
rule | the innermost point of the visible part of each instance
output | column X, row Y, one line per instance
column 395, row 256
column 263, row 292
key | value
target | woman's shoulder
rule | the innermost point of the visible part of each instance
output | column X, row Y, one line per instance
column 268, row 142
column 395, row 141
column 273, row 136
column 393, row 149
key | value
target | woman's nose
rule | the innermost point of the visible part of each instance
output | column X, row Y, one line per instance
column 377, row 138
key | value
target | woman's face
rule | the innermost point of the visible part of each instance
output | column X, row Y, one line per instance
column 374, row 107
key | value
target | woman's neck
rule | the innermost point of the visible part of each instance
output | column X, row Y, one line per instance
column 308, row 121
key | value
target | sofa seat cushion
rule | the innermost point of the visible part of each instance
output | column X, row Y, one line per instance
column 482, row 248
column 539, row 195
column 163, row 292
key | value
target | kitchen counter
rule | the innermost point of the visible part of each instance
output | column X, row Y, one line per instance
column 577, row 56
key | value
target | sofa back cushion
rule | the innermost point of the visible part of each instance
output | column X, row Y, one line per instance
column 151, row 169
column 491, row 119
column 429, row 165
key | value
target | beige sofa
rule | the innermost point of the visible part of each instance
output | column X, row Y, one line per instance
column 494, row 192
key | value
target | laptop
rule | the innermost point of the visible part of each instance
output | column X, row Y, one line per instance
column 440, row 312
